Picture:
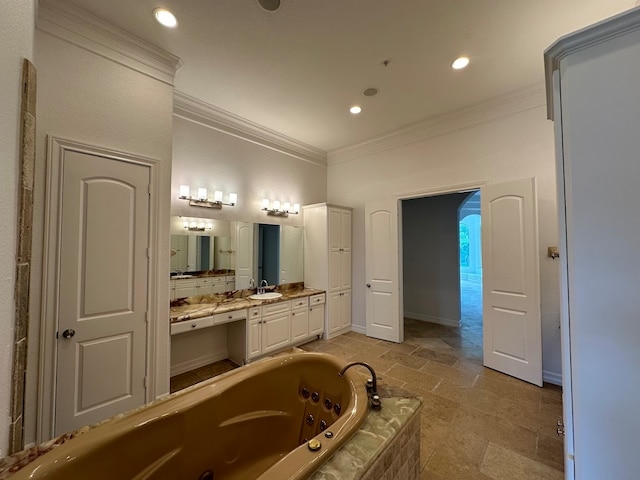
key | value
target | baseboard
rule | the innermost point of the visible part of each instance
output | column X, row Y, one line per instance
column 428, row 318
column 552, row 377
column 359, row 328
column 183, row 367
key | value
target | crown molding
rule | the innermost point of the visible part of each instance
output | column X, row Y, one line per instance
column 85, row 30
column 600, row 32
column 195, row 110
column 514, row 102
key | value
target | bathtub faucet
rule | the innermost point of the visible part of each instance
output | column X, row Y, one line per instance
column 372, row 385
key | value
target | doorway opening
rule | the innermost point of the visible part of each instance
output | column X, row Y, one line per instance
column 442, row 269
column 469, row 221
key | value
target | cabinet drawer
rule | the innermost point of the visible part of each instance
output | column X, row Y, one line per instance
column 189, row 325
column 299, row 302
column 274, row 308
column 226, row 317
column 317, row 299
column 255, row 312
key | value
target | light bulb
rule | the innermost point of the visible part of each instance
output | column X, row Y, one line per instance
column 202, row 193
column 265, row 204
column 165, row 17
column 276, row 205
column 296, row 208
column 286, row 206
column 184, row 191
column 460, row 63
column 233, row 198
column 217, row 196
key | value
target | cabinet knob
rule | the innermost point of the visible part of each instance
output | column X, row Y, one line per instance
column 193, row 325
column 368, row 285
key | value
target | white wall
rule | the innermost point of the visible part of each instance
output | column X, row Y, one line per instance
column 204, row 157
column 494, row 148
column 88, row 98
column 16, row 44
column 431, row 260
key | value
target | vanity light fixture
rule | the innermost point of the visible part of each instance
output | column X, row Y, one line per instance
column 197, row 226
column 275, row 208
column 202, row 200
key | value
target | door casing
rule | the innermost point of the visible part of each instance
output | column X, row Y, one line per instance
column 56, row 148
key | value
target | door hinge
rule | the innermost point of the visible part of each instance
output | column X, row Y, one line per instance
column 144, row 382
column 146, row 317
column 148, row 252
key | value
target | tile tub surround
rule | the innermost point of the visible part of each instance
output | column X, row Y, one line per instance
column 386, row 447
column 191, row 308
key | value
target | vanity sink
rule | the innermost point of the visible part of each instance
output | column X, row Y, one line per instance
column 265, row 296
column 182, row 276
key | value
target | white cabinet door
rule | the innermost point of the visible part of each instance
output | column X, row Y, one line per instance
column 299, row 324
column 186, row 288
column 345, row 269
column 335, row 260
column 334, row 311
column 316, row 319
column 254, row 337
column 345, row 229
column 335, row 240
column 345, row 309
column 276, row 332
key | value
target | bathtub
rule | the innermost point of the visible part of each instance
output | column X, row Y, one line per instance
column 256, row 422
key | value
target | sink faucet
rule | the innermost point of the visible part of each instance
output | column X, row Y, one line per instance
column 252, row 284
column 372, row 384
column 263, row 285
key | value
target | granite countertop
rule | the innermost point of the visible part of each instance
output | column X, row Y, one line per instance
column 202, row 306
column 204, row 274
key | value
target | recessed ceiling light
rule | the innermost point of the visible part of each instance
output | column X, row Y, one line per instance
column 165, row 17
column 460, row 63
column 355, row 109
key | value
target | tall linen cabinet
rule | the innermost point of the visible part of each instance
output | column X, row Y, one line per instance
column 327, row 261
column 593, row 87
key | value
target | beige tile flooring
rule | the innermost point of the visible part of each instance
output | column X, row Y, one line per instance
column 476, row 423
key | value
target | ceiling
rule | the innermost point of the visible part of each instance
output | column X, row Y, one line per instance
column 298, row 70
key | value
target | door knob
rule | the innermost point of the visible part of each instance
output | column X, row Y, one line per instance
column 368, row 285
column 68, row 333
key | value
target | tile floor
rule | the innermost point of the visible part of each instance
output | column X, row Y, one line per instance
column 477, row 424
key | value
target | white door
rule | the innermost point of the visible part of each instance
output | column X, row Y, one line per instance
column 103, row 289
column 511, row 287
column 244, row 254
column 383, row 308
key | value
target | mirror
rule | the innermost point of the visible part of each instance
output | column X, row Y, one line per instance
column 276, row 250
column 198, row 253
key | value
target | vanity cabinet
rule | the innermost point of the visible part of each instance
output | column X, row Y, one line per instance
column 185, row 287
column 299, row 319
column 327, row 261
column 269, row 328
column 592, row 80
column 191, row 287
column 316, row 314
